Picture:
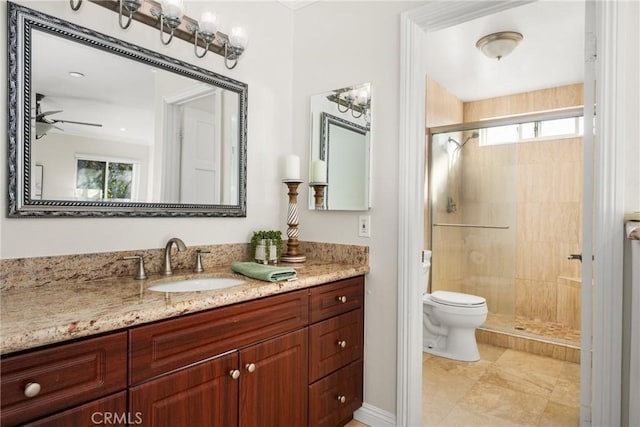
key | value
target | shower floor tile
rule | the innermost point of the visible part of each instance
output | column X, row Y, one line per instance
column 538, row 328
column 505, row 388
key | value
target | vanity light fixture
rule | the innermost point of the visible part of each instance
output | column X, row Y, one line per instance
column 171, row 19
column 171, row 15
column 234, row 46
column 358, row 101
column 498, row 45
column 131, row 6
column 206, row 29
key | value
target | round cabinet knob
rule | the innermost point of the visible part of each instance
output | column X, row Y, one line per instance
column 235, row 374
column 342, row 398
column 342, row 299
column 32, row 389
column 250, row 367
column 342, row 344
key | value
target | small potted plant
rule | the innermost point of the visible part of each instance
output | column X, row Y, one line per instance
column 266, row 246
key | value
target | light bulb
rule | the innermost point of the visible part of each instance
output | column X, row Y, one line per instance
column 173, row 8
column 238, row 37
column 208, row 22
column 363, row 97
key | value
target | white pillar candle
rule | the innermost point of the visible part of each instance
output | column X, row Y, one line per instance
column 319, row 171
column 292, row 167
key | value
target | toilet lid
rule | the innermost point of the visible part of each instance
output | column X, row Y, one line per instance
column 457, row 298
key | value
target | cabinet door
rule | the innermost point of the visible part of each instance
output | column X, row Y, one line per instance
column 273, row 386
column 203, row 395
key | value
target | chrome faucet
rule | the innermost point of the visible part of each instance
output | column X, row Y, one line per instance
column 166, row 270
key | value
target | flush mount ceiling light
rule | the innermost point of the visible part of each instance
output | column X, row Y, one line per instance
column 499, row 45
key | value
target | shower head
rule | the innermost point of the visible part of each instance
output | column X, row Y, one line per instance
column 472, row 136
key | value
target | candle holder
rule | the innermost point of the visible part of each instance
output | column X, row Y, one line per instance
column 292, row 254
column 318, row 195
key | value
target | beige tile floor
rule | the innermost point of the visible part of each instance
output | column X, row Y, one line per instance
column 504, row 388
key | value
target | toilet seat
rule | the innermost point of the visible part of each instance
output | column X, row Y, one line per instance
column 456, row 299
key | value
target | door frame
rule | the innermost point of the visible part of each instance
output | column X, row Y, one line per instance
column 609, row 203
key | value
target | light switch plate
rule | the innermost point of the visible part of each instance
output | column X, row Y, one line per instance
column 364, row 226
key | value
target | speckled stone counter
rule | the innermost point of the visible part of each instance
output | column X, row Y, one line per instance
column 52, row 299
column 36, row 316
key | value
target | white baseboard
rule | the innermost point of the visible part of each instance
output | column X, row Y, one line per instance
column 374, row 416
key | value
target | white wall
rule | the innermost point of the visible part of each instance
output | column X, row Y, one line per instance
column 629, row 33
column 266, row 67
column 337, row 44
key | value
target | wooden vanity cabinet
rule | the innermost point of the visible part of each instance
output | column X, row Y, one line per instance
column 292, row 359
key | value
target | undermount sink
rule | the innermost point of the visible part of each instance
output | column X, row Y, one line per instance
column 193, row 285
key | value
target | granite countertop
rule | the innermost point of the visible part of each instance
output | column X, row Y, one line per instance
column 41, row 315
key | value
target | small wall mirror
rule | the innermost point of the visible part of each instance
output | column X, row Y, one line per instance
column 101, row 127
column 340, row 148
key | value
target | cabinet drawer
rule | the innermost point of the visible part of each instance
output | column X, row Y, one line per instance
column 108, row 411
column 335, row 342
column 326, row 405
column 67, row 374
column 336, row 298
column 172, row 344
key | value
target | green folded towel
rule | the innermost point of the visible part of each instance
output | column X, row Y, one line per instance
column 267, row 273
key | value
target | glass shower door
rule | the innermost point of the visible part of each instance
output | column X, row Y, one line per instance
column 473, row 218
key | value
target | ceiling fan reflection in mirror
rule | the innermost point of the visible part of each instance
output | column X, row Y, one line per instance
column 44, row 124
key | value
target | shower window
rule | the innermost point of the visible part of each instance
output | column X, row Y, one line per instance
column 532, row 131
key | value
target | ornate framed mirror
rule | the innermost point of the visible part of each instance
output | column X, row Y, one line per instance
column 107, row 128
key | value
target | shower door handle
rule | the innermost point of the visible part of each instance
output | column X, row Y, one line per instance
column 575, row 256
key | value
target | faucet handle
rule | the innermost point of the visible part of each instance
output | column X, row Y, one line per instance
column 198, row 268
column 140, row 274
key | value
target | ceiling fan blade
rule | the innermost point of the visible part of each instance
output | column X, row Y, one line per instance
column 78, row 123
column 46, row 113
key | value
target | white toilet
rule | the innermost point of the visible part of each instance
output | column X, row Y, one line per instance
column 450, row 320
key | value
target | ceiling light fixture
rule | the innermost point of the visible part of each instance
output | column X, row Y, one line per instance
column 75, row 74
column 499, row 45
column 75, row 5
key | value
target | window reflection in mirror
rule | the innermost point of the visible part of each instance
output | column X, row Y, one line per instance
column 340, row 126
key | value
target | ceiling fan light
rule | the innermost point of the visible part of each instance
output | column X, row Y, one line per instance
column 498, row 45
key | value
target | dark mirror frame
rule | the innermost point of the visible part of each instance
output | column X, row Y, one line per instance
column 21, row 22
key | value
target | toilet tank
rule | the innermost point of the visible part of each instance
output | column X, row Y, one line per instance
column 426, row 267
